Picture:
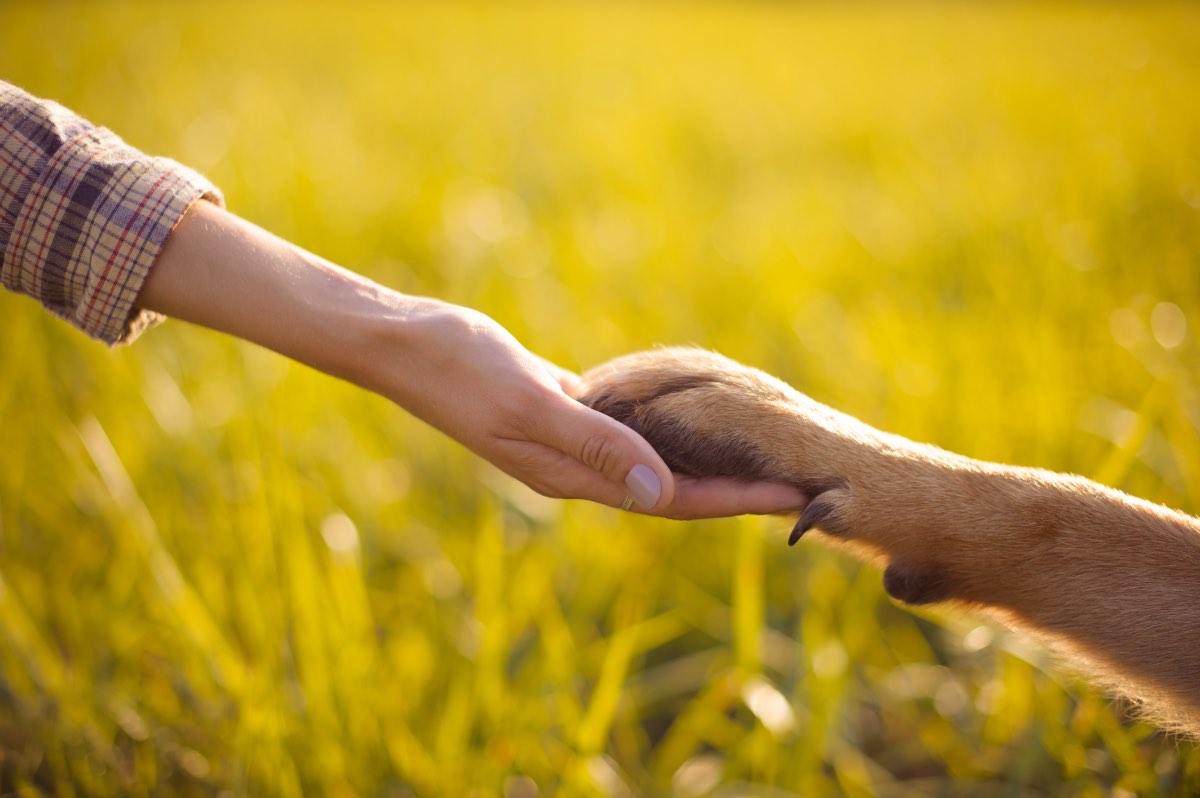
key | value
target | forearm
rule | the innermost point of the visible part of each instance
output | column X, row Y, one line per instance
column 224, row 273
column 1106, row 576
column 1115, row 576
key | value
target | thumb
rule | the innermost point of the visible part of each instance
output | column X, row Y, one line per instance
column 613, row 450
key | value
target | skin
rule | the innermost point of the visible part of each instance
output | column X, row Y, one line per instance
column 452, row 367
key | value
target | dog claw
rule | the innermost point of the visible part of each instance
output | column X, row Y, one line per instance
column 797, row 531
column 817, row 511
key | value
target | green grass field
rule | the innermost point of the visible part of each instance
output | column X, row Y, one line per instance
column 224, row 574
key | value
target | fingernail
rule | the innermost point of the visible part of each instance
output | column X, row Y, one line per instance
column 643, row 485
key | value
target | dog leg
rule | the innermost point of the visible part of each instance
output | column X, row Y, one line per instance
column 1109, row 579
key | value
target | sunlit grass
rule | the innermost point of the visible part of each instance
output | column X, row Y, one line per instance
column 977, row 225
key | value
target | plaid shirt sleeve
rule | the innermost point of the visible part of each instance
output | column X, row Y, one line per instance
column 83, row 215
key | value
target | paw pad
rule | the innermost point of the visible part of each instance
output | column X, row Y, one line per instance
column 916, row 584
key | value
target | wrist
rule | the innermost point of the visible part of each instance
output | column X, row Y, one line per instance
column 367, row 334
column 398, row 345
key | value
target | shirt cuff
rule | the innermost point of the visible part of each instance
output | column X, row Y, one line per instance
column 95, row 220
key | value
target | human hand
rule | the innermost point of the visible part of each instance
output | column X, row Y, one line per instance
column 466, row 375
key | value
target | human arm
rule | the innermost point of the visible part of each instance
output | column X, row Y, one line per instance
column 110, row 239
column 453, row 367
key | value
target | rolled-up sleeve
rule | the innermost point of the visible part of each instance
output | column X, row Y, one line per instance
column 83, row 215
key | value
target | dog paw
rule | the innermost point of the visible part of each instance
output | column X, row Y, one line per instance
column 704, row 414
column 710, row 416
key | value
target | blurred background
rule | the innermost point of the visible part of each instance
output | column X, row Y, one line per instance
column 972, row 224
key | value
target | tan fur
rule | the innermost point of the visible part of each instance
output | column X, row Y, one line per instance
column 1112, row 580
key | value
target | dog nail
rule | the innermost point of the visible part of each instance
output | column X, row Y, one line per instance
column 815, row 514
column 643, row 485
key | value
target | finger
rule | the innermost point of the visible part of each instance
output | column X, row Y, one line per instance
column 553, row 473
column 613, row 451
column 718, row 497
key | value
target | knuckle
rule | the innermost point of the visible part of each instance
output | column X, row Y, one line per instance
column 600, row 453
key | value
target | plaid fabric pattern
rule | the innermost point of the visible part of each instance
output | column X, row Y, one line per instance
column 83, row 215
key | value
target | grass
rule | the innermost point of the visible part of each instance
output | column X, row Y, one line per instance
column 220, row 573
